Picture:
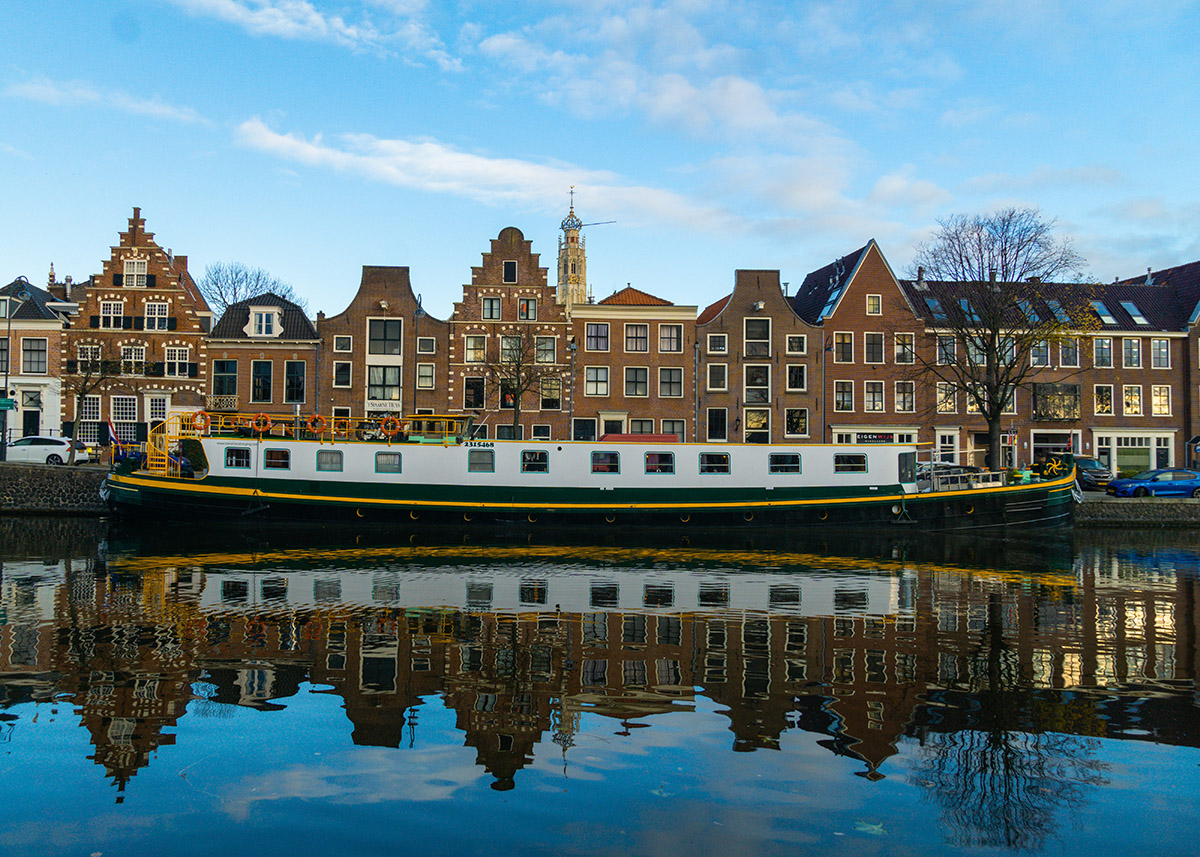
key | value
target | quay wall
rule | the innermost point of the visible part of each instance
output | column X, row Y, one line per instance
column 1137, row 512
column 43, row 489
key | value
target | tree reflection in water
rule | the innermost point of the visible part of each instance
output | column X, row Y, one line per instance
column 994, row 757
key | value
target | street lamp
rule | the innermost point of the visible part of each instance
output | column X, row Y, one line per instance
column 18, row 289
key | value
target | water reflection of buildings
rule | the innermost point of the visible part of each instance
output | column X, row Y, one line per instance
column 862, row 656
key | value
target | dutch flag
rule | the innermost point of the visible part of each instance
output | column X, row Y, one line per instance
column 112, row 434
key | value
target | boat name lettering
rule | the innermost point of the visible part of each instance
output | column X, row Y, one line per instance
column 486, row 443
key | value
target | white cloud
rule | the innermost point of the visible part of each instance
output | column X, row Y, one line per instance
column 301, row 20
column 1045, row 177
column 15, row 152
column 79, row 93
column 436, row 168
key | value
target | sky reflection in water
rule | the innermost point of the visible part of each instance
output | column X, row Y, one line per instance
column 777, row 698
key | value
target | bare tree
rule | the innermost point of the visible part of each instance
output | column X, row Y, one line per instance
column 93, row 370
column 517, row 367
column 995, row 299
column 226, row 283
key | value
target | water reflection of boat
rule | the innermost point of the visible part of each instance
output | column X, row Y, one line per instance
column 428, row 470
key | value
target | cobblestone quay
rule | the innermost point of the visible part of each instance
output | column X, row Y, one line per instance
column 42, row 489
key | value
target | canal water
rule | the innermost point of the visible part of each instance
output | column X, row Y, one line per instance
column 365, row 692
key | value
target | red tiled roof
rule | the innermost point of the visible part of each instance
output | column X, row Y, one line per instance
column 713, row 310
column 629, row 296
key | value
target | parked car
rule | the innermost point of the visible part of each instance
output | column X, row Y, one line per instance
column 51, row 450
column 1091, row 473
column 1170, row 482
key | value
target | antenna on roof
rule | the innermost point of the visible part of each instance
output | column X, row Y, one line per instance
column 599, row 223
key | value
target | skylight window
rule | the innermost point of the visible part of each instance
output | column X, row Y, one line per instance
column 1106, row 317
column 1134, row 313
column 935, row 307
column 967, row 311
column 1059, row 312
column 1029, row 312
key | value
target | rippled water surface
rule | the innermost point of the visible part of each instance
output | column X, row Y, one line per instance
column 368, row 692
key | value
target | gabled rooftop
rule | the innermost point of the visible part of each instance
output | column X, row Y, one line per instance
column 821, row 290
column 630, row 296
column 294, row 323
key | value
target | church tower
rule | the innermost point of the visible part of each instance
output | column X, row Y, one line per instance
column 572, row 261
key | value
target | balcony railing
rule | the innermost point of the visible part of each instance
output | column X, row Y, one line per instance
column 220, row 404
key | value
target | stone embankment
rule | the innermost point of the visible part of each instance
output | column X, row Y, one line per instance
column 1137, row 512
column 43, row 489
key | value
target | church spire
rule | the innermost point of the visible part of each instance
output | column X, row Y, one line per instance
column 572, row 260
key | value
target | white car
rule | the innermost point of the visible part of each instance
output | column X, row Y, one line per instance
column 50, row 450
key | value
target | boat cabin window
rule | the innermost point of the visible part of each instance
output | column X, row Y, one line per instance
column 481, row 461
column 783, row 462
column 606, row 462
column 660, row 462
column 908, row 467
column 714, row 462
column 237, row 457
column 277, row 459
column 329, row 460
column 535, row 461
column 849, row 462
column 387, row 462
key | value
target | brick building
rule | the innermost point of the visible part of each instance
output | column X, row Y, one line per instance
column 263, row 357
column 382, row 354
column 33, row 321
column 141, row 336
column 510, row 320
column 633, row 367
column 755, row 357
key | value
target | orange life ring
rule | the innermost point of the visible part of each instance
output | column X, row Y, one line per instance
column 201, row 420
column 390, row 426
column 316, row 424
column 261, row 423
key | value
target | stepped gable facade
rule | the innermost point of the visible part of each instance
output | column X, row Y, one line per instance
column 372, row 353
column 509, row 308
column 756, row 358
column 137, row 350
column 633, row 367
column 263, row 355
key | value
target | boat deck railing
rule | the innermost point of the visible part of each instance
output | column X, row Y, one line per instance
column 962, row 481
column 422, row 428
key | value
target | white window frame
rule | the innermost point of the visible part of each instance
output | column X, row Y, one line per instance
column 1112, row 401
column 802, row 341
column 1062, row 359
column 663, row 369
column 850, row 350
column 1096, row 340
column 897, row 398
column 426, row 345
column 527, row 309
column 718, row 343
column 678, row 338
column 1141, row 405
column 947, row 397
column 878, row 387
column 1125, row 364
column 110, row 310
column 755, row 352
column 636, row 325
column 596, row 382
column 882, row 348
column 878, row 308
column 489, row 301
column 349, row 374
column 472, row 354
column 625, row 386
column 898, row 351
column 1155, row 389
column 1154, row 353
column 708, row 378
column 426, row 376
column 175, row 351
column 836, row 404
column 587, row 336
column 156, row 315
column 343, row 343
column 807, row 424
column 134, row 273
column 45, row 356
column 787, row 380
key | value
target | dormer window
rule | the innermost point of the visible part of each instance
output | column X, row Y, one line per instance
column 510, row 271
column 1135, row 313
column 264, row 322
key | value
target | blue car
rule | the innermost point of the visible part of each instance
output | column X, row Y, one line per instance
column 1171, row 482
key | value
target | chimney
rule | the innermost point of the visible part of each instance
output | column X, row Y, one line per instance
column 920, row 284
column 1035, row 279
column 992, row 278
column 1149, row 278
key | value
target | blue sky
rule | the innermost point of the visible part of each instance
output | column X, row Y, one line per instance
column 310, row 137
